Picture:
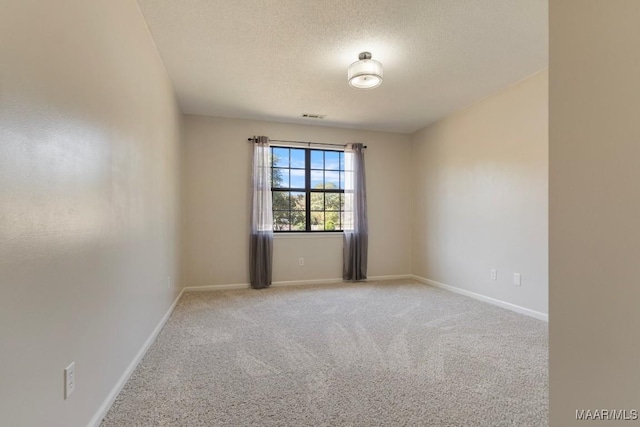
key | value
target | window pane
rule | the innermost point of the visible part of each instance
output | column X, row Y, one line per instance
column 317, row 161
column 297, row 178
column 280, row 200
column 317, row 201
column 342, row 180
column 317, row 179
column 331, row 180
column 297, row 158
column 341, row 161
column 331, row 220
column 332, row 201
column 298, row 201
column 331, row 160
column 280, row 178
column 317, row 220
column 281, row 221
column 299, row 220
column 280, row 157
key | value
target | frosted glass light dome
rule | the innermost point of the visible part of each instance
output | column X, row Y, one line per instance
column 365, row 73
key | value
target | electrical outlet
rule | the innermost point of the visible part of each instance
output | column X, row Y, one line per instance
column 517, row 280
column 300, row 261
column 69, row 380
column 494, row 274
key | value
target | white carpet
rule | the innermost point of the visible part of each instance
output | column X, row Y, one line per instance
column 391, row 353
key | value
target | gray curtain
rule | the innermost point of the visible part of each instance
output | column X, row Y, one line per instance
column 356, row 228
column 261, row 244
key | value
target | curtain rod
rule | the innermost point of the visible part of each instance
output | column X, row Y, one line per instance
column 305, row 142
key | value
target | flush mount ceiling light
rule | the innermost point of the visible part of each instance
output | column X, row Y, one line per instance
column 365, row 73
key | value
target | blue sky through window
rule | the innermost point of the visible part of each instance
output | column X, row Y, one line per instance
column 331, row 160
column 281, row 157
column 317, row 159
column 317, row 179
column 297, row 158
column 331, row 179
column 297, row 178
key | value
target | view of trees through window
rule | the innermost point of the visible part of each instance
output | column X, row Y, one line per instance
column 308, row 189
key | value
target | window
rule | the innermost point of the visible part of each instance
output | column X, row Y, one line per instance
column 307, row 187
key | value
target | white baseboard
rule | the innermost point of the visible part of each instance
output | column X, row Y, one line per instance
column 289, row 283
column 513, row 307
column 329, row 281
column 111, row 397
column 305, row 282
column 225, row 287
column 392, row 277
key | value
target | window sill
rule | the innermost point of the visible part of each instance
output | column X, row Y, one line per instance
column 309, row 235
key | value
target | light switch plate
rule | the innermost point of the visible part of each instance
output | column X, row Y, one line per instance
column 517, row 280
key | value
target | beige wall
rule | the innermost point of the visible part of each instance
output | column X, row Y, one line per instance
column 594, row 208
column 217, row 162
column 479, row 196
column 89, row 203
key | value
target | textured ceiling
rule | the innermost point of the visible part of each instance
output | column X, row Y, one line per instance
column 277, row 59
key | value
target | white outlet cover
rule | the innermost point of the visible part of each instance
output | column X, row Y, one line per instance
column 494, row 274
column 517, row 279
column 69, row 379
